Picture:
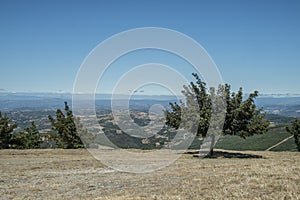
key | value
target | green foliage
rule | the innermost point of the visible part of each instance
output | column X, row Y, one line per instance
column 241, row 116
column 30, row 138
column 6, row 129
column 174, row 118
column 294, row 129
column 194, row 114
column 64, row 124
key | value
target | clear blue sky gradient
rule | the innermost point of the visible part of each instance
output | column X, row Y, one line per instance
column 255, row 43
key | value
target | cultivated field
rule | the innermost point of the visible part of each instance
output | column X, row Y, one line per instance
column 75, row 174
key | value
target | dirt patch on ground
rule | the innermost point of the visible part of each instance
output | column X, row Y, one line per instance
column 75, row 174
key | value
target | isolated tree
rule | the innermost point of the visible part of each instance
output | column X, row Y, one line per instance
column 294, row 129
column 30, row 138
column 195, row 114
column 64, row 124
column 6, row 129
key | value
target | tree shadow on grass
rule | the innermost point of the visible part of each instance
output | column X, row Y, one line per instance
column 225, row 154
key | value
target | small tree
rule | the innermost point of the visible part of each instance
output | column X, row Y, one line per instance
column 30, row 138
column 6, row 129
column 64, row 124
column 294, row 129
column 241, row 116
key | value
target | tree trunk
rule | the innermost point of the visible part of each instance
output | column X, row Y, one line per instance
column 211, row 152
column 212, row 144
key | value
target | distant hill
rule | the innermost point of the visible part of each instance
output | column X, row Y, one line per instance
column 286, row 105
column 46, row 101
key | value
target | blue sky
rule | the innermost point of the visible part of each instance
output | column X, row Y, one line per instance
column 255, row 43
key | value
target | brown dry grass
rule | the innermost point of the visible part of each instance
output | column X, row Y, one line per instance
column 74, row 174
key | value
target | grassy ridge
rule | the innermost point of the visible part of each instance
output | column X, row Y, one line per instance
column 275, row 134
column 289, row 145
column 259, row 142
column 256, row 142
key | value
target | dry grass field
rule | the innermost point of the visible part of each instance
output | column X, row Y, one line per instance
column 75, row 174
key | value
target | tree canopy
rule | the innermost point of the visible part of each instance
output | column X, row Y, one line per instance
column 242, row 118
column 30, row 138
column 6, row 129
column 64, row 124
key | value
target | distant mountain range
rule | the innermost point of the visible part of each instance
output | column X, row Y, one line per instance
column 36, row 96
column 108, row 96
column 281, row 104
